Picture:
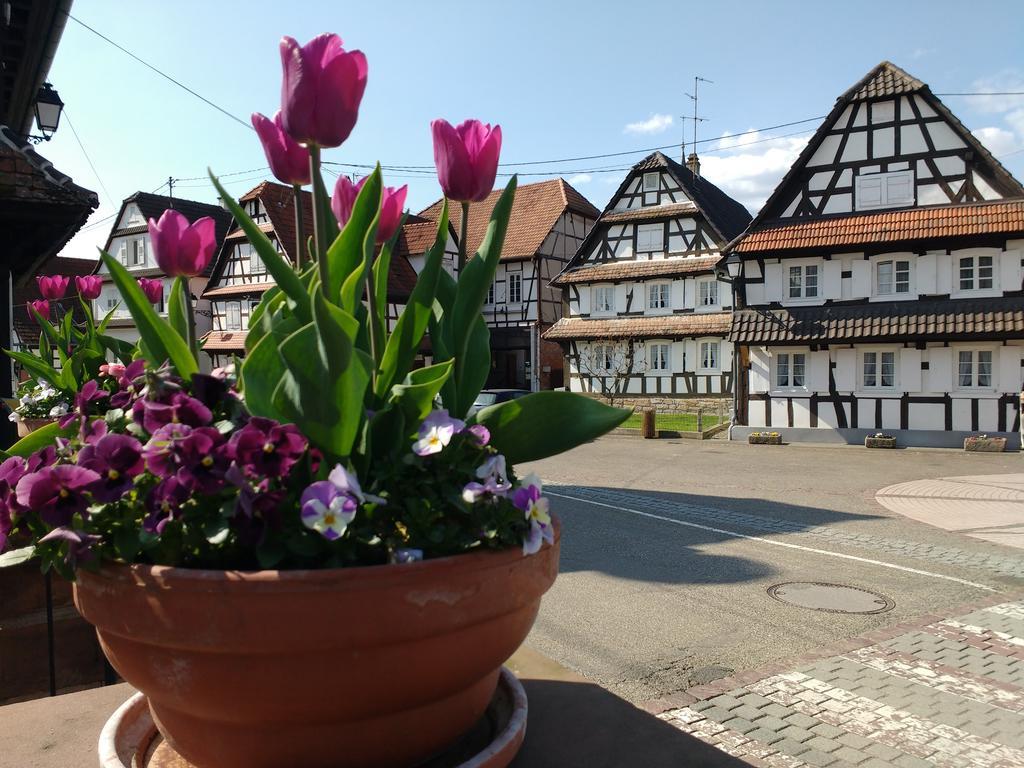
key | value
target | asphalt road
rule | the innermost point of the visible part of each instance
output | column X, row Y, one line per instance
column 669, row 548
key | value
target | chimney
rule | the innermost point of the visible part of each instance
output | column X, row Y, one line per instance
column 693, row 163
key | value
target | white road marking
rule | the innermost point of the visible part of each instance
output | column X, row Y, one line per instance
column 788, row 545
column 1011, row 610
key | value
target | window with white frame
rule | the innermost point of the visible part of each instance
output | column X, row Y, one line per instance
column 707, row 293
column 515, row 288
column 803, row 281
column 651, row 182
column 133, row 216
column 234, row 313
column 122, row 253
column 878, row 369
column 892, row 276
column 256, row 211
column 247, row 252
column 650, row 237
column 601, row 357
column 790, row 370
column 657, row 295
column 709, row 355
column 884, row 190
column 111, row 302
column 604, row 298
column 975, row 273
column 491, row 290
column 139, row 251
column 659, row 357
column 974, row 369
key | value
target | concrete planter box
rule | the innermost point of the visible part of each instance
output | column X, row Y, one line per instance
column 880, row 442
column 985, row 444
column 764, row 439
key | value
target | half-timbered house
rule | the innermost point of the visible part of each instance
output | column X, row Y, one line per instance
column 880, row 285
column 128, row 242
column 647, row 314
column 240, row 278
column 548, row 222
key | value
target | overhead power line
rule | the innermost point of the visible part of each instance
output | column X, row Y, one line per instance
column 67, row 119
column 162, row 74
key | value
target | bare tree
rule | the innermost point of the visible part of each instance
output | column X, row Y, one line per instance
column 609, row 365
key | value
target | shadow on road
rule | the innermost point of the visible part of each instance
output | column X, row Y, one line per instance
column 636, row 547
column 581, row 725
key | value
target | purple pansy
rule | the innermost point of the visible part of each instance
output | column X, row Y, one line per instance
column 164, row 500
column 195, row 455
column 406, row 555
column 328, row 506
column 79, row 544
column 436, row 432
column 535, row 508
column 57, row 493
column 481, row 433
column 265, row 448
column 11, row 471
column 127, row 376
column 117, row 459
column 90, row 392
column 179, row 409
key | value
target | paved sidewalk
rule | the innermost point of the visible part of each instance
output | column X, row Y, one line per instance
column 987, row 507
column 940, row 692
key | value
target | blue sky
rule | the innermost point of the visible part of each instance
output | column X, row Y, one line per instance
column 564, row 79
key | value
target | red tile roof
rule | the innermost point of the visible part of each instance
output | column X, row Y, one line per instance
column 237, row 290
column 631, row 270
column 650, row 213
column 535, row 212
column 224, row 341
column 668, row 326
column 965, row 219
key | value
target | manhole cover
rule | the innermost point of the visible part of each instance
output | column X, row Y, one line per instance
column 832, row 598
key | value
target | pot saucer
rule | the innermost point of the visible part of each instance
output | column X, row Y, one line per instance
column 130, row 739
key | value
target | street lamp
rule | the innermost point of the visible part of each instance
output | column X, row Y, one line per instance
column 48, row 109
column 734, row 265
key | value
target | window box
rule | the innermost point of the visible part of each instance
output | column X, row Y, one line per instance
column 764, row 438
column 879, row 441
column 985, row 444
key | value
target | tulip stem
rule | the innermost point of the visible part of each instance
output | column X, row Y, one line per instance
column 301, row 247
column 462, row 236
column 319, row 206
column 190, row 317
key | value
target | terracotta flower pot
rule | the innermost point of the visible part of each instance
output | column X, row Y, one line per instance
column 29, row 425
column 375, row 666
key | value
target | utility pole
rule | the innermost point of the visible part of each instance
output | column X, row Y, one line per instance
column 693, row 97
column 170, row 188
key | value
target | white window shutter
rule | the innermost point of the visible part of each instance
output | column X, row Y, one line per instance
column 677, row 355
column 861, row 279
column 943, row 273
column 833, row 286
column 1010, row 271
column 940, row 369
column 690, row 348
column 926, row 275
column 759, row 371
column 818, row 380
column 910, row 370
column 621, row 295
column 772, row 282
column 689, row 293
column 585, row 292
column 1009, row 369
column 678, row 291
column 846, row 370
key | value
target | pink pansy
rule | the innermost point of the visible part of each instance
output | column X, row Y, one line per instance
column 391, row 205
column 321, row 89
column 89, row 287
column 182, row 249
column 436, row 432
column 288, row 160
column 53, row 287
column 466, row 158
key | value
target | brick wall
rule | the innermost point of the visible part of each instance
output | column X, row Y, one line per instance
column 551, row 356
column 671, row 404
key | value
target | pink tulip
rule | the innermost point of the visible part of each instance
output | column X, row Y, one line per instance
column 322, row 87
column 154, row 289
column 181, row 248
column 42, row 306
column 53, row 287
column 288, row 160
column 392, row 203
column 89, row 287
column 466, row 158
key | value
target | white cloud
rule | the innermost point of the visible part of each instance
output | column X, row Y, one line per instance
column 580, row 178
column 1009, row 80
column 998, row 141
column 750, row 171
column 656, row 123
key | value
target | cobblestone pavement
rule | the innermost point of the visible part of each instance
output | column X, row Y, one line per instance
column 986, row 507
column 1002, row 562
column 940, row 692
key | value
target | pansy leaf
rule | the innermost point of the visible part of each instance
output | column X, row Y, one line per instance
column 546, row 423
column 17, row 556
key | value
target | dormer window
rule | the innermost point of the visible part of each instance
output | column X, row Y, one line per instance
column 885, row 190
column 133, row 216
column 651, row 185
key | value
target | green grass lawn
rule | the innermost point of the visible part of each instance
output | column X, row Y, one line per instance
column 676, row 422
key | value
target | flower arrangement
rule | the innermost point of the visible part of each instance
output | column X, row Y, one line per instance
column 326, row 448
column 80, row 349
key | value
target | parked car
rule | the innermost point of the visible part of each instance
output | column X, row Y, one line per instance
column 494, row 396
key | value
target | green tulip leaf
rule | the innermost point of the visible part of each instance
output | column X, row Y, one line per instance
column 41, row 438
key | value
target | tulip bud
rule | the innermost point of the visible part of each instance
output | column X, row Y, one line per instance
column 392, row 203
column 154, row 289
column 321, row 90
column 41, row 306
column 89, row 287
column 53, row 287
column 466, row 158
column 288, row 160
column 182, row 249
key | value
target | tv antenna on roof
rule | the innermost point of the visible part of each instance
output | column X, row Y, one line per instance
column 693, row 96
